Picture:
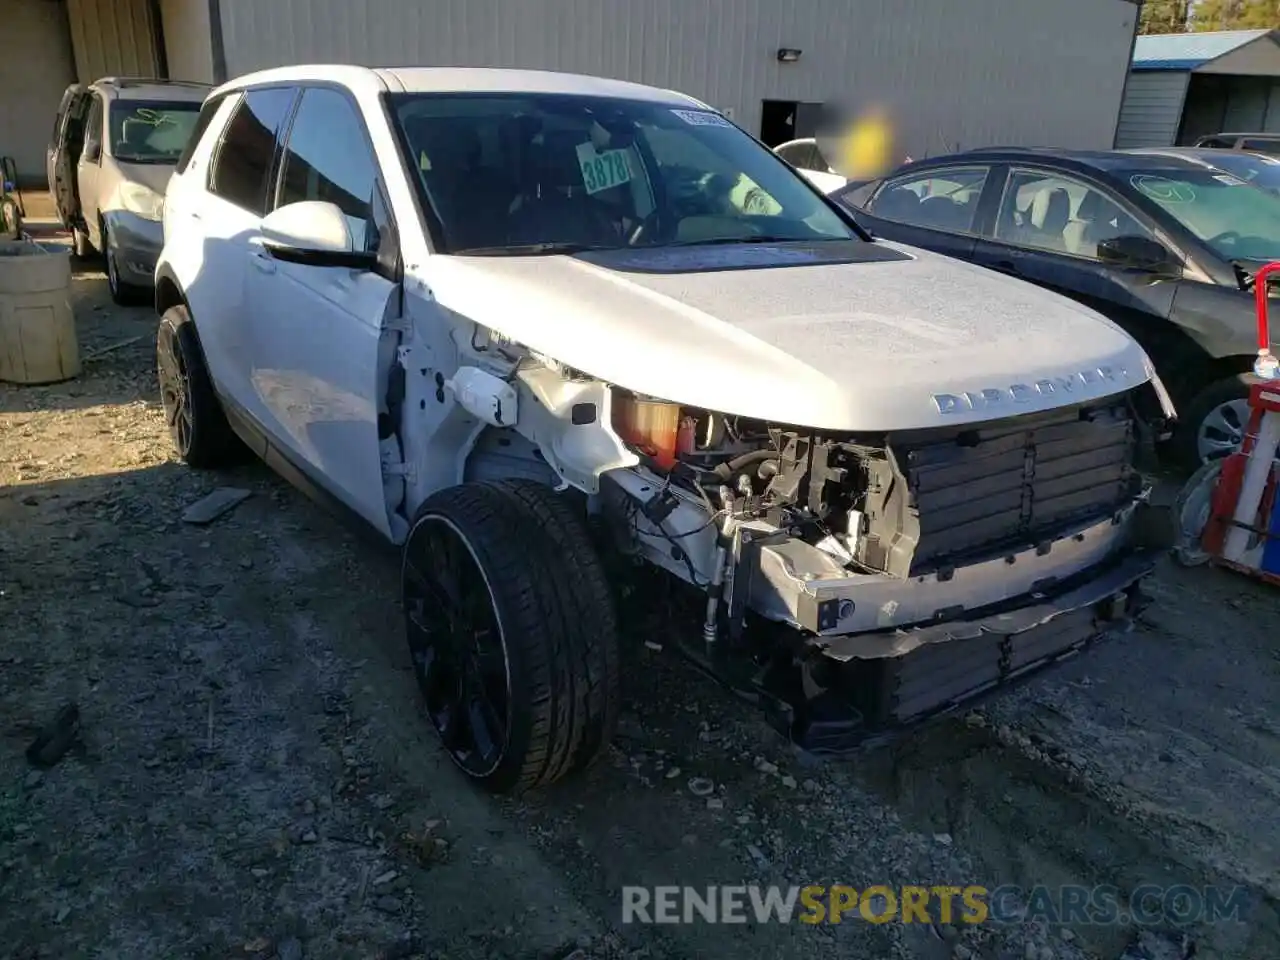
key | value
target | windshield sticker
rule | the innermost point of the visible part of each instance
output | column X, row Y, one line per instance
column 702, row 118
column 1229, row 180
column 1163, row 190
column 153, row 117
column 603, row 170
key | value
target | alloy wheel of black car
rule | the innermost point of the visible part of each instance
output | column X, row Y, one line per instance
column 1212, row 422
column 456, row 641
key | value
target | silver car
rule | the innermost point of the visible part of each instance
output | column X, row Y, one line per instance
column 115, row 144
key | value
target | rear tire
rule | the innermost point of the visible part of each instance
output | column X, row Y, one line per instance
column 197, row 425
column 513, row 633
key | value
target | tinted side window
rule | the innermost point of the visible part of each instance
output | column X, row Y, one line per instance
column 327, row 157
column 207, row 113
column 1061, row 214
column 945, row 200
column 243, row 163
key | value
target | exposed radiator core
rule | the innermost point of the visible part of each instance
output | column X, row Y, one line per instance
column 937, row 497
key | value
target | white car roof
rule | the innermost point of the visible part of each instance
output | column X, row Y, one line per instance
column 460, row 80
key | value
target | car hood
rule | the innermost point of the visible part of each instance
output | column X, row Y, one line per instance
column 154, row 176
column 879, row 337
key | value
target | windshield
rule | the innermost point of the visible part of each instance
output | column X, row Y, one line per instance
column 519, row 173
column 1260, row 170
column 151, row 131
column 1234, row 219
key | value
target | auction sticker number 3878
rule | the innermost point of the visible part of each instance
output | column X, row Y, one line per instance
column 603, row 170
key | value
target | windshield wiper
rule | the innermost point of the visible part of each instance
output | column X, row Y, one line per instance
column 528, row 249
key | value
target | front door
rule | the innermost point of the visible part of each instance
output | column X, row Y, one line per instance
column 1047, row 230
column 315, row 331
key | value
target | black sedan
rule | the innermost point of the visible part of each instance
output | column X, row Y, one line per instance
column 1163, row 246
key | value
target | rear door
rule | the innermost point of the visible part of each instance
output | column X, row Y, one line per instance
column 937, row 209
column 64, row 150
column 1047, row 229
column 225, row 216
column 315, row 332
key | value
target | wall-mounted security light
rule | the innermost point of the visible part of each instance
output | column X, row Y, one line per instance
column 788, row 54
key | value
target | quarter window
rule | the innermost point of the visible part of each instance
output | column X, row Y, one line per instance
column 1061, row 215
column 945, row 200
column 243, row 164
column 327, row 157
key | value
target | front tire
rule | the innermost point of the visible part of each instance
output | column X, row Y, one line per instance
column 122, row 293
column 197, row 425
column 1214, row 421
column 513, row 633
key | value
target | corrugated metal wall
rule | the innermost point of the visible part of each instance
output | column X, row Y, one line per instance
column 1218, row 103
column 186, row 39
column 113, row 38
column 955, row 74
column 31, row 84
column 1152, row 109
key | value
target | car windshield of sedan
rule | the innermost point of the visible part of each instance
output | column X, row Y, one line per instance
column 151, row 131
column 523, row 173
column 1235, row 220
column 1259, row 169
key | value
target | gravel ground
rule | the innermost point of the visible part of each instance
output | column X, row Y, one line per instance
column 253, row 778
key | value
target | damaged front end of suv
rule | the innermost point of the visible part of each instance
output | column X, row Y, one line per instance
column 855, row 583
column 909, row 571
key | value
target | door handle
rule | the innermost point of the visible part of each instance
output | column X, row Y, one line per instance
column 263, row 261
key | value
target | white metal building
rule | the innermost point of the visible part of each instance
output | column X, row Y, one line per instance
column 954, row 73
column 1188, row 85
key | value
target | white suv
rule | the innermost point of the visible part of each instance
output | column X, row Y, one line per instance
column 525, row 324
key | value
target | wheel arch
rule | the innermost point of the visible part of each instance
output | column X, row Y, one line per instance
column 169, row 292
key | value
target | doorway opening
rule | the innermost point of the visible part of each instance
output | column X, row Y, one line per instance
column 785, row 120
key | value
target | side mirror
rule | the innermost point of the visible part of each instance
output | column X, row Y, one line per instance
column 92, row 152
column 314, row 233
column 1138, row 252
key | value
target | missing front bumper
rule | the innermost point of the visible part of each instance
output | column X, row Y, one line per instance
column 874, row 687
column 949, row 665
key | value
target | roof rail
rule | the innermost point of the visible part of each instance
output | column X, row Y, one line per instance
column 149, row 81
